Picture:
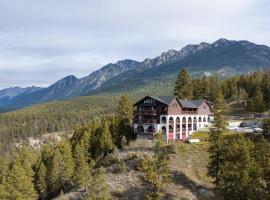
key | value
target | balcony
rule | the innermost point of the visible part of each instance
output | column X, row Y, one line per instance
column 145, row 112
column 146, row 121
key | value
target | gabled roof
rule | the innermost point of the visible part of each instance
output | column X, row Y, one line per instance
column 190, row 103
column 168, row 99
column 163, row 99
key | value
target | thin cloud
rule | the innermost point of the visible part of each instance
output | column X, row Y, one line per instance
column 43, row 41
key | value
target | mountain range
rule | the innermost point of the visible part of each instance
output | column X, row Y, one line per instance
column 226, row 57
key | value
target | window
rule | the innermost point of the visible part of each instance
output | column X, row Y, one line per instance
column 163, row 120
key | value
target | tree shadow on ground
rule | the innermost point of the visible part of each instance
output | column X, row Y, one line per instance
column 131, row 193
column 181, row 179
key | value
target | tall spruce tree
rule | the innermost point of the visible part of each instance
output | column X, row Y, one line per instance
column 125, row 109
column 215, row 137
column 41, row 180
column 66, row 165
column 125, row 117
column 183, row 85
column 54, row 173
column 82, row 171
column 258, row 104
column 106, row 142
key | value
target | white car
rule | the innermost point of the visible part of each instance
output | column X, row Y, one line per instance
column 257, row 130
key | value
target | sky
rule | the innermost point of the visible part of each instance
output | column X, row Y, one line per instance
column 44, row 41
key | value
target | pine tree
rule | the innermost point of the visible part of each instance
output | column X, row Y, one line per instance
column 18, row 184
column 215, row 137
column 125, row 109
column 115, row 131
column 265, row 85
column 238, row 178
column 54, row 173
column 106, row 143
column 258, row 104
column 205, row 88
column 156, row 171
column 183, row 85
column 125, row 117
column 66, row 165
column 262, row 157
column 266, row 127
column 97, row 188
column 81, row 173
column 41, row 178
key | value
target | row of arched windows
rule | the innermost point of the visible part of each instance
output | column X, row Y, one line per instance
column 163, row 119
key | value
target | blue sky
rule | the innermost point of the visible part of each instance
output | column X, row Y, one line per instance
column 43, row 41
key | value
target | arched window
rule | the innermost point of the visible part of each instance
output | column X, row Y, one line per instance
column 151, row 129
column 204, row 119
column 208, row 119
column 171, row 130
column 184, row 120
column 189, row 123
column 200, row 119
column 163, row 120
column 177, row 124
column 140, row 129
column 163, row 129
column 195, row 124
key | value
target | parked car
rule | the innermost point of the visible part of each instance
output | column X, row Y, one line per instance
column 257, row 130
column 243, row 124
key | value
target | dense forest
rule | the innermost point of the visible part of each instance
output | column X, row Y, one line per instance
column 238, row 163
column 28, row 174
column 253, row 90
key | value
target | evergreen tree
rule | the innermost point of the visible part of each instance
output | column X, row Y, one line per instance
column 18, row 185
column 238, row 177
column 125, row 117
column 54, row 173
column 41, row 180
column 183, row 85
column 242, row 94
column 125, row 109
column 262, row 156
column 97, row 188
column 106, row 143
column 205, row 88
column 66, row 165
column 156, row 170
column 258, row 104
column 266, row 127
column 215, row 86
column 81, row 173
column 265, row 85
column 215, row 137
column 117, row 135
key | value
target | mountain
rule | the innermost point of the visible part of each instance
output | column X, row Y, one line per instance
column 226, row 57
column 14, row 91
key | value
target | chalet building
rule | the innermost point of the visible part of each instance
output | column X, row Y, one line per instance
column 176, row 118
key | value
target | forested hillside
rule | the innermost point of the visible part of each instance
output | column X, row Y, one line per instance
column 253, row 90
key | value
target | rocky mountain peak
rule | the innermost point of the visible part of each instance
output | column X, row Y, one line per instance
column 222, row 42
column 66, row 81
